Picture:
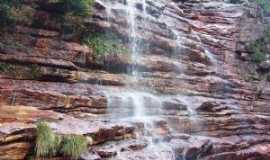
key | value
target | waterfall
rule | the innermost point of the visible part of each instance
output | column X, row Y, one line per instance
column 134, row 105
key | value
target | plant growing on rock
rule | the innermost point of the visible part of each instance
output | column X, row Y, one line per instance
column 259, row 49
column 49, row 144
column 258, row 53
column 4, row 67
column 265, row 4
column 67, row 7
column 35, row 71
column 105, row 44
column 73, row 146
column 67, row 14
column 6, row 16
column 76, row 7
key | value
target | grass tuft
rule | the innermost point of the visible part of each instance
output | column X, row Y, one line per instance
column 73, row 146
column 47, row 142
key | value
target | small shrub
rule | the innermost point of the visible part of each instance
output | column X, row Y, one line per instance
column 35, row 71
column 258, row 57
column 105, row 44
column 6, row 16
column 74, row 146
column 76, row 7
column 265, row 4
column 4, row 67
column 73, row 27
column 23, row 15
column 68, row 15
column 258, row 52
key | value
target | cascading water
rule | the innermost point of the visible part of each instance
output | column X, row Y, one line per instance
column 136, row 103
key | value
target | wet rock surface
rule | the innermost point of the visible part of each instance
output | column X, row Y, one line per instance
column 189, row 100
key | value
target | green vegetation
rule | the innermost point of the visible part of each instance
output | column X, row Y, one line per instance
column 35, row 71
column 49, row 144
column 73, row 146
column 68, row 14
column 265, row 4
column 235, row 1
column 4, row 67
column 6, row 15
column 259, row 48
column 75, row 7
column 105, row 44
column 63, row 14
column 13, row 44
column 20, row 71
column 258, row 54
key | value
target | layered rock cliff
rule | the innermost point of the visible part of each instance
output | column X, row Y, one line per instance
column 183, row 91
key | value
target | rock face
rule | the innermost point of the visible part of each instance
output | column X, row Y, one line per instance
column 188, row 98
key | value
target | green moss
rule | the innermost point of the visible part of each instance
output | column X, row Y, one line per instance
column 105, row 44
column 74, row 146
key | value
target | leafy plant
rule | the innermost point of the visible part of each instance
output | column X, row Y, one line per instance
column 105, row 44
column 74, row 146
